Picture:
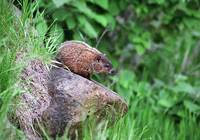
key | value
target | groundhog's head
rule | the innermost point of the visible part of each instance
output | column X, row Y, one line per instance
column 102, row 65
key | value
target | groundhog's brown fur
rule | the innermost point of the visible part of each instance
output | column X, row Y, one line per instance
column 82, row 59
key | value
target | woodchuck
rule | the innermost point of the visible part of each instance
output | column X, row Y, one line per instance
column 82, row 59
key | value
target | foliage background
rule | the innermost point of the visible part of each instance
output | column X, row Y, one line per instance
column 154, row 45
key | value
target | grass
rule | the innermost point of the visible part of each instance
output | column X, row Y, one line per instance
column 15, row 37
column 152, row 115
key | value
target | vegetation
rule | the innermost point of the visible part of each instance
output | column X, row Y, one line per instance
column 154, row 44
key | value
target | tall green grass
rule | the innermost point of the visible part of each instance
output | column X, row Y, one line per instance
column 18, row 38
column 146, row 119
column 8, row 69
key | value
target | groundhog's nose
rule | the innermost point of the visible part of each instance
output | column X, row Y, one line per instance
column 112, row 72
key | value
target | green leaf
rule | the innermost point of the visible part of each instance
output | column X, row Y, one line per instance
column 111, row 21
column 166, row 103
column 183, row 87
column 83, row 8
column 186, row 10
column 191, row 106
column 140, row 40
column 102, row 3
column 139, row 48
column 180, row 78
column 86, row 27
column 60, row 3
column 114, row 8
column 60, row 15
column 160, row 2
column 71, row 23
column 143, row 88
column 127, row 78
column 100, row 19
column 77, row 36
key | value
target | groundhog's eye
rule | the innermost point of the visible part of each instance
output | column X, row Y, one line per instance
column 107, row 65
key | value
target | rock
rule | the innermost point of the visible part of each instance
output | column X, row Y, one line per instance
column 74, row 98
column 33, row 100
column 59, row 100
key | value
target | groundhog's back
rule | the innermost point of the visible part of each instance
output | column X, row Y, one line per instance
column 78, row 57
